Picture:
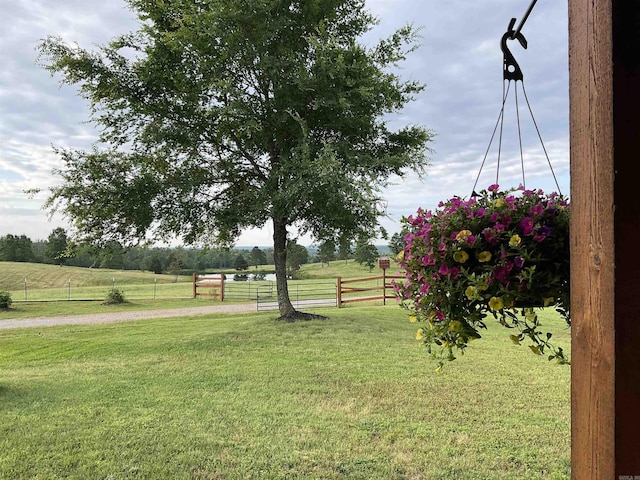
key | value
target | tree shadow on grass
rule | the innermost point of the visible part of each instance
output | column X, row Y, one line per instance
column 298, row 316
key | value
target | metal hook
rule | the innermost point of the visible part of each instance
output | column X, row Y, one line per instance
column 511, row 69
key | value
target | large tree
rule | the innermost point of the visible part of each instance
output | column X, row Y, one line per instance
column 219, row 115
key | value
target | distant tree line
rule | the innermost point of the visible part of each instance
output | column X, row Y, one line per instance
column 59, row 249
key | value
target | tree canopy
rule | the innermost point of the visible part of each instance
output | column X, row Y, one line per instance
column 219, row 115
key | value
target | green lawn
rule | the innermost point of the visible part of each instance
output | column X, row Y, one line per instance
column 33, row 282
column 229, row 397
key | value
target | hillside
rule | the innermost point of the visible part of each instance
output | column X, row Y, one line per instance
column 39, row 275
column 13, row 275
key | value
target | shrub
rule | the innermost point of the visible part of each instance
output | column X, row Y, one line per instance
column 115, row 296
column 498, row 254
column 5, row 299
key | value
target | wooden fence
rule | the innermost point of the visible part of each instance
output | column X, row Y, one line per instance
column 383, row 288
column 212, row 284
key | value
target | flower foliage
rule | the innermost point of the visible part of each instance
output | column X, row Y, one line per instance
column 501, row 253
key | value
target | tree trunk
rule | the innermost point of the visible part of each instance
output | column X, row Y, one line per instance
column 280, row 262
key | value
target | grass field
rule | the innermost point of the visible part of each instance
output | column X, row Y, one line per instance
column 40, row 282
column 234, row 397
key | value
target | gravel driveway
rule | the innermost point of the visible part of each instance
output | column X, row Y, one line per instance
column 124, row 316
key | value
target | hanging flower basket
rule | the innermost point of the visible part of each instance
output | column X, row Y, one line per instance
column 501, row 253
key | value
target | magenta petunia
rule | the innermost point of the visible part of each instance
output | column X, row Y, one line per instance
column 526, row 225
column 536, row 210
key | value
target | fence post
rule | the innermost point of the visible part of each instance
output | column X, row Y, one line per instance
column 195, row 293
column 384, row 286
column 222, row 287
column 339, row 292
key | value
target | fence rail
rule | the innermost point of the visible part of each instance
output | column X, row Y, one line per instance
column 212, row 285
column 345, row 293
column 263, row 292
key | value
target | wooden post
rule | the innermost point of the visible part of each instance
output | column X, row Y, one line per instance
column 222, row 276
column 384, row 286
column 604, row 66
column 339, row 291
column 195, row 289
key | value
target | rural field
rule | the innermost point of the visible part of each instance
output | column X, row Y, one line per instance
column 55, row 290
column 231, row 396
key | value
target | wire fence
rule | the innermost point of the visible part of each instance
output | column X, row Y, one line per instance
column 302, row 295
column 181, row 288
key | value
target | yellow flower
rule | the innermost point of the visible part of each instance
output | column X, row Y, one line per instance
column 412, row 318
column 484, row 256
column 419, row 334
column 461, row 256
column 496, row 304
column 400, row 255
column 515, row 241
column 499, row 202
column 471, row 292
column 463, row 235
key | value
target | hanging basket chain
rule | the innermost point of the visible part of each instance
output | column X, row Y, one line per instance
column 535, row 124
column 495, row 129
column 512, row 71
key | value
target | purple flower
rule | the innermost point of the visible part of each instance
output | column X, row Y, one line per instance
column 428, row 261
column 494, row 217
column 541, row 233
column 526, row 224
column 506, row 221
column 489, row 236
column 518, row 262
column 494, row 187
column 536, row 210
column 444, row 269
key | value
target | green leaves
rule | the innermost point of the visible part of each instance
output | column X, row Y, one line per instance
column 491, row 255
column 217, row 116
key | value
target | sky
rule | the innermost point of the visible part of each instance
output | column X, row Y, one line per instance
column 460, row 61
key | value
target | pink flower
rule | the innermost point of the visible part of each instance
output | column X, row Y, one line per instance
column 444, row 269
column 526, row 224
column 494, row 187
column 536, row 210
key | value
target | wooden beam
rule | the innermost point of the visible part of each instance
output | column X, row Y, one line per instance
column 604, row 53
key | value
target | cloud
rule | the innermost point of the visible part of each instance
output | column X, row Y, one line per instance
column 459, row 61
